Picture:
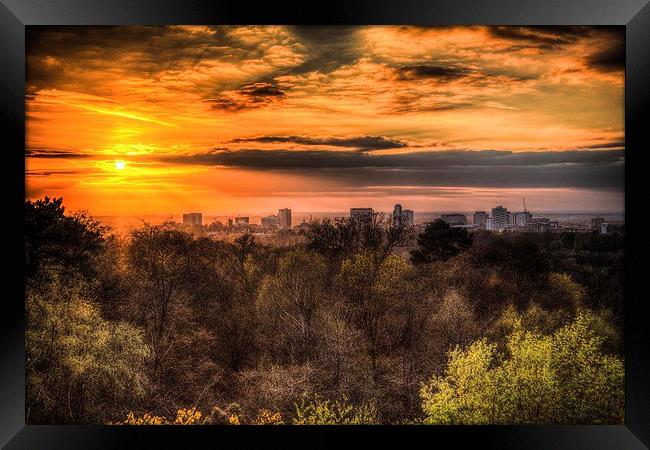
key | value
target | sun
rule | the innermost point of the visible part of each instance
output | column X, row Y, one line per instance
column 120, row 164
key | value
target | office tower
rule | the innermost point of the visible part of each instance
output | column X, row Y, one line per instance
column 284, row 218
column 521, row 218
column 270, row 222
column 193, row 219
column 499, row 218
column 397, row 214
column 409, row 217
column 404, row 216
column 480, row 217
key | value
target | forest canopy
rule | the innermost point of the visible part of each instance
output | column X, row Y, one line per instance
column 336, row 326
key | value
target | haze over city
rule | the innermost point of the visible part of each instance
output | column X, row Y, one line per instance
column 246, row 120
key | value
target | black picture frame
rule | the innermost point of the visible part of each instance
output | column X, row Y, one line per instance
column 633, row 14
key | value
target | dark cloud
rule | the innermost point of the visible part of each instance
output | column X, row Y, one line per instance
column 360, row 142
column 610, row 59
column 327, row 47
column 594, row 169
column 612, row 144
column 53, row 154
column 249, row 96
column 261, row 90
column 549, row 36
column 444, row 73
column 47, row 173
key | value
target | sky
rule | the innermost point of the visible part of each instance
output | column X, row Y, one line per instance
column 247, row 119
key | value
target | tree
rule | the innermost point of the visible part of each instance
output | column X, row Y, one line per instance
column 80, row 367
column 52, row 238
column 287, row 304
column 439, row 242
column 162, row 262
column 317, row 411
column 560, row 378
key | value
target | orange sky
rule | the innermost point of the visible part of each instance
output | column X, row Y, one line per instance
column 226, row 120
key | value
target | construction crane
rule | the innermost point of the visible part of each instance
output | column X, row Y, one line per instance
column 524, row 204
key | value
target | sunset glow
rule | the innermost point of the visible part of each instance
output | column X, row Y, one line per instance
column 223, row 119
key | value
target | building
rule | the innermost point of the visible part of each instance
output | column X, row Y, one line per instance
column 397, row 214
column 229, row 222
column 604, row 228
column 193, row 219
column 240, row 221
column 284, row 218
column 554, row 226
column 596, row 223
column 454, row 219
column 361, row 213
column 409, row 217
column 499, row 218
column 520, row 219
column 270, row 222
column 404, row 216
column 489, row 224
column 480, row 217
column 538, row 227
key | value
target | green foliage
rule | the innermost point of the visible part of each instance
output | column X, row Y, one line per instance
column 76, row 358
column 561, row 378
column 439, row 242
column 317, row 411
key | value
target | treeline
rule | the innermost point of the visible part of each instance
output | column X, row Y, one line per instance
column 479, row 328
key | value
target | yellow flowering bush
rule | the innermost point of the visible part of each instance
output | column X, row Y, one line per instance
column 266, row 417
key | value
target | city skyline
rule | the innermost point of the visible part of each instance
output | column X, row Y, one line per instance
column 253, row 119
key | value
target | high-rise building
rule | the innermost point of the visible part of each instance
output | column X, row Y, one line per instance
column 499, row 218
column 361, row 213
column 404, row 216
column 284, row 218
column 454, row 219
column 241, row 221
column 520, row 219
column 480, row 217
column 489, row 224
column 397, row 214
column 409, row 217
column 596, row 222
column 604, row 228
column 270, row 222
column 193, row 219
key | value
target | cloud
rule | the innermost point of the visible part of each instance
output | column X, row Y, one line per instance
column 545, row 36
column 444, row 73
column 249, row 96
column 576, row 168
column 360, row 142
column 53, row 153
column 327, row 48
column 610, row 59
